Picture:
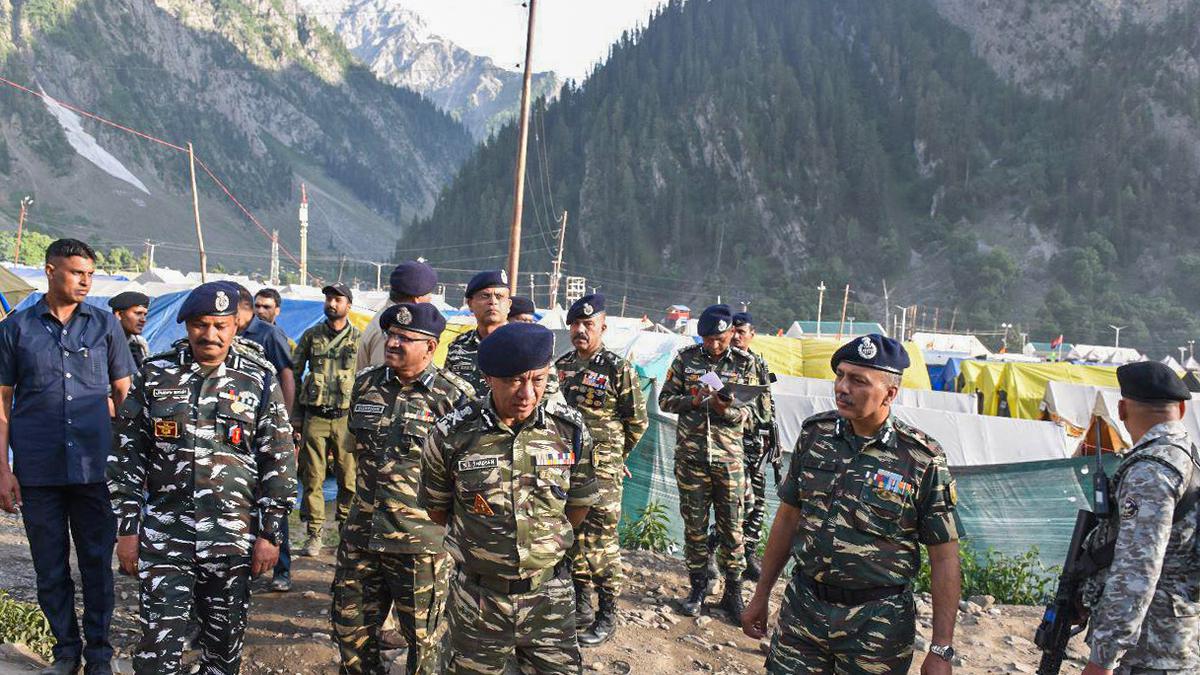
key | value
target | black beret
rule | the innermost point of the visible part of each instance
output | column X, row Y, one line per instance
column 122, row 301
column 873, row 351
column 521, row 305
column 743, row 319
column 215, row 298
column 420, row 317
column 413, row 278
column 338, row 288
column 586, row 307
column 1151, row 382
column 488, row 279
column 515, row 348
column 714, row 319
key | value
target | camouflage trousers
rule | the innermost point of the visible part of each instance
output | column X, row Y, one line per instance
column 756, row 504
column 596, row 554
column 216, row 592
column 487, row 629
column 817, row 637
column 366, row 586
column 721, row 487
column 323, row 436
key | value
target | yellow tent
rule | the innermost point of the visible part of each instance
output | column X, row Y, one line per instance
column 809, row 357
column 1023, row 385
column 980, row 376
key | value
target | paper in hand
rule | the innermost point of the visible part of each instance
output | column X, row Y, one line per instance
column 712, row 381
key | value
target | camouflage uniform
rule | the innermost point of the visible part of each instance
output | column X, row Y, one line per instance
column 866, row 506
column 604, row 389
column 507, row 492
column 202, row 467
column 391, row 552
column 139, row 348
column 709, row 456
column 1148, row 617
column 323, row 401
column 462, row 359
column 762, row 419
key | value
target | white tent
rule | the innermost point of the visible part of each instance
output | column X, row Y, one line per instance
column 1173, row 364
column 913, row 398
column 1072, row 405
column 1102, row 354
column 939, row 347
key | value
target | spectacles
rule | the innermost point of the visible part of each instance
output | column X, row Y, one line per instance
column 488, row 297
column 406, row 339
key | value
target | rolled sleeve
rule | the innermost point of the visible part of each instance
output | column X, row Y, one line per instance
column 937, row 519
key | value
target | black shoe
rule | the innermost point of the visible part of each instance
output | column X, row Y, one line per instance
column 585, row 613
column 606, row 620
column 281, row 584
column 731, row 601
column 695, row 599
column 62, row 667
column 753, row 568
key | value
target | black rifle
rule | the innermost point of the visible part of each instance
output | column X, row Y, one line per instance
column 1064, row 618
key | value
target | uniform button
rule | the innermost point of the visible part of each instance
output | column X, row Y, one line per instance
column 69, row 398
column 68, row 376
column 66, row 353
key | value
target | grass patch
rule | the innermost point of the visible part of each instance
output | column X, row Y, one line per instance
column 24, row 623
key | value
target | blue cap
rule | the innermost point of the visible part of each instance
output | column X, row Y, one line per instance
column 419, row 317
column 515, row 348
column 873, row 351
column 413, row 278
column 215, row 298
column 743, row 319
column 521, row 305
column 488, row 279
column 1151, row 382
column 586, row 307
column 714, row 320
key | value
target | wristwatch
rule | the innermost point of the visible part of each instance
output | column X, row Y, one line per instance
column 944, row 652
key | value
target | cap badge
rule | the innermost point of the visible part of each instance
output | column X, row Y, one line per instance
column 722, row 326
column 404, row 317
column 587, row 309
column 221, row 301
column 503, row 277
column 867, row 349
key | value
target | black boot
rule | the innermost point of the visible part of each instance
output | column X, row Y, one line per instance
column 584, row 612
column 606, row 620
column 695, row 599
column 753, row 567
column 731, row 601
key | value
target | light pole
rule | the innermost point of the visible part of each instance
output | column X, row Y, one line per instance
column 903, row 322
column 1191, row 349
column 1117, row 338
column 1181, row 351
column 1004, row 340
column 820, row 305
column 851, row 320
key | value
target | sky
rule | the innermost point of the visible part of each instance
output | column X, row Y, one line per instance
column 570, row 35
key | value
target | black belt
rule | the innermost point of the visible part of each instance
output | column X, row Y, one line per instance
column 849, row 596
column 328, row 413
column 516, row 586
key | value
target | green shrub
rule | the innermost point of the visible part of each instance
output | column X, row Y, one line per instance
column 647, row 532
column 25, row 623
column 1020, row 579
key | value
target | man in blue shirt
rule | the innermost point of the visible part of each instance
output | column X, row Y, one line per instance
column 58, row 360
column 274, row 343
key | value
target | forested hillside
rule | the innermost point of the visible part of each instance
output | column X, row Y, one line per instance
column 755, row 147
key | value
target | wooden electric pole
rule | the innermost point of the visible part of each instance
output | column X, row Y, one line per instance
column 514, row 235
column 845, row 302
column 26, row 201
column 196, row 213
column 558, row 256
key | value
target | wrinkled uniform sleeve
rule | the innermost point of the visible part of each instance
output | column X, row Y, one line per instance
column 275, row 456
column 120, row 359
column 1142, row 539
column 437, row 486
column 789, row 489
column 937, row 522
column 368, row 343
column 126, row 469
column 631, row 405
column 674, row 397
column 584, row 490
column 300, row 356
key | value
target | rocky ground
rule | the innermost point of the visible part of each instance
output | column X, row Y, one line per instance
column 289, row 632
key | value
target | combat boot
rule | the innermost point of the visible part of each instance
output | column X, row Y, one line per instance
column 753, row 567
column 606, row 620
column 585, row 614
column 695, row 599
column 731, row 601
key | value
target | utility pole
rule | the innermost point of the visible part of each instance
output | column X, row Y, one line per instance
column 196, row 212
column 953, row 318
column 514, row 236
column 26, row 202
column 903, row 322
column 820, row 305
column 623, row 298
column 1181, row 351
column 531, row 295
column 274, row 257
column 845, row 301
column 379, row 276
column 149, row 255
column 558, row 256
column 1117, row 339
column 303, row 236
column 936, row 312
column 1191, row 349
column 887, row 308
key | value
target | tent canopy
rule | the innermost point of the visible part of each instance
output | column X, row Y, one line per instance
column 1022, row 386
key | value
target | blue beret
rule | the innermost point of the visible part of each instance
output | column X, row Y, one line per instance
column 123, row 301
column 743, row 319
column 1151, row 382
column 420, row 317
column 715, row 319
column 413, row 278
column 215, row 298
column 515, row 348
column 488, row 279
column 586, row 307
column 873, row 351
column 521, row 305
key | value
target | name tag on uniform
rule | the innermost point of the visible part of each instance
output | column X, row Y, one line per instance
column 555, row 459
column 163, row 393
column 369, row 408
column 166, row 429
column 423, row 416
column 473, row 464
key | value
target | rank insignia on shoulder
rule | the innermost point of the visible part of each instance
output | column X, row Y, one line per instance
column 481, row 507
column 166, row 429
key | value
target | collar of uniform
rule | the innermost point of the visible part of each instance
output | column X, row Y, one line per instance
column 186, row 358
column 538, row 418
column 886, row 436
column 42, row 308
column 1159, row 431
column 334, row 333
column 708, row 357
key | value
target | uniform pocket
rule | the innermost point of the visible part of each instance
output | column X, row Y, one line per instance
column 877, row 513
column 235, row 424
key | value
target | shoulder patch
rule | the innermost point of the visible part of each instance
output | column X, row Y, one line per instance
column 368, row 370
column 691, row 347
column 827, row 416
column 451, row 420
column 564, row 358
column 922, row 439
column 564, row 412
column 457, row 382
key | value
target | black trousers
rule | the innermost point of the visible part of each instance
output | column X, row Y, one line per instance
column 54, row 517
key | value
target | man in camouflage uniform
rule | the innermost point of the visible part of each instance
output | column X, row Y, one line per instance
column 1147, row 616
column 489, row 301
column 327, row 352
column 391, row 552
column 603, row 387
column 201, row 479
column 863, row 492
column 513, row 476
column 413, row 282
column 759, row 433
column 708, row 455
